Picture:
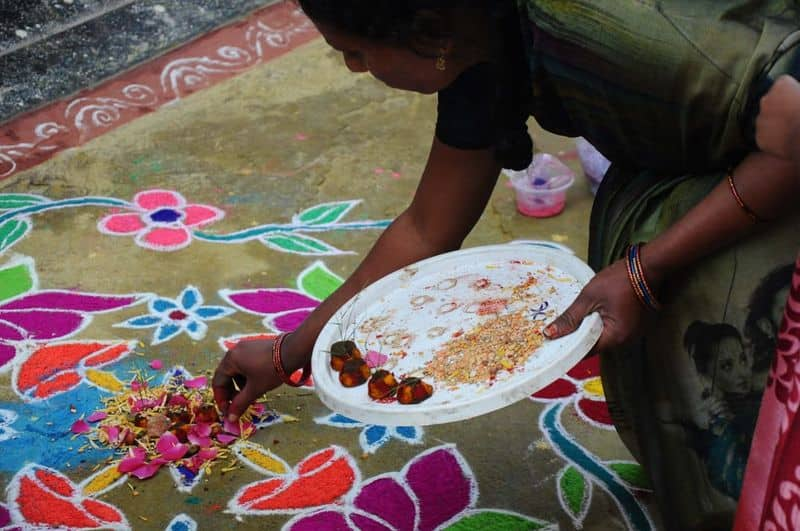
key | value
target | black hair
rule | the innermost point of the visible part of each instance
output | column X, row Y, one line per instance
column 760, row 307
column 403, row 23
column 700, row 338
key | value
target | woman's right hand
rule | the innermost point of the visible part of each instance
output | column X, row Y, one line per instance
column 247, row 366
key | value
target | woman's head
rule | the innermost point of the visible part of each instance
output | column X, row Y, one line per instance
column 425, row 45
column 401, row 43
column 719, row 354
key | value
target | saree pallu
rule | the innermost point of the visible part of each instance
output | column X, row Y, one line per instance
column 685, row 397
column 770, row 497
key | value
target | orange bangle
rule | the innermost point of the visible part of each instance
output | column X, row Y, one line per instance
column 739, row 201
column 278, row 363
column 641, row 288
column 632, row 278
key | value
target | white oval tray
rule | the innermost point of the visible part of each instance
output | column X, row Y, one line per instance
column 418, row 308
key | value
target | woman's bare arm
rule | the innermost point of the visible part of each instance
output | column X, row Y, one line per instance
column 450, row 198
column 768, row 186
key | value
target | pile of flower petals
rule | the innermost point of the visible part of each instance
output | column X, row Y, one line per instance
column 172, row 424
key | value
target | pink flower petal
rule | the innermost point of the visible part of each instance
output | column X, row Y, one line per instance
column 165, row 238
column 169, row 447
column 176, row 452
column 157, row 365
column 80, row 426
column 199, row 440
column 201, row 429
column 178, row 400
column 206, row 454
column 203, row 456
column 154, row 199
column 231, row 427
column 112, row 432
column 375, row 359
column 97, row 416
column 134, row 459
column 198, row 215
column 137, row 385
column 225, row 438
column 167, row 441
column 146, row 471
column 121, row 224
column 258, row 409
column 140, row 404
column 195, row 383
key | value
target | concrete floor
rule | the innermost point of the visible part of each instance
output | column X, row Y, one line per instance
column 263, row 146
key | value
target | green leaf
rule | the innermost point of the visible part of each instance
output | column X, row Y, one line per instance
column 497, row 520
column 325, row 213
column 11, row 201
column 299, row 244
column 16, row 280
column 12, row 231
column 631, row 473
column 574, row 491
column 318, row 281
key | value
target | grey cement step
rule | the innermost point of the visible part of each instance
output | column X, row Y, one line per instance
column 50, row 49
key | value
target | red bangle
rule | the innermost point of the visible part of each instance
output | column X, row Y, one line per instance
column 278, row 363
column 739, row 201
column 632, row 278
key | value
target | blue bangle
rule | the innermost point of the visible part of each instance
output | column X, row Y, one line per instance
column 642, row 288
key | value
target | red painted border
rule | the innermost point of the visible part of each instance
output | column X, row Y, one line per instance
column 266, row 34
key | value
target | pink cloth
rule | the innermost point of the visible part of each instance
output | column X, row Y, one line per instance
column 770, row 498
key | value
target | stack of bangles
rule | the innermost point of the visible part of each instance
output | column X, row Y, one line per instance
column 638, row 281
column 278, row 363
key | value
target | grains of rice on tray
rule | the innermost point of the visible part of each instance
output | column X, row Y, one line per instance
column 504, row 342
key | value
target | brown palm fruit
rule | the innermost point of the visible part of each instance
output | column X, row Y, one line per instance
column 129, row 438
column 355, row 372
column 140, row 421
column 341, row 351
column 206, row 413
column 157, row 424
column 382, row 384
column 413, row 391
column 181, row 431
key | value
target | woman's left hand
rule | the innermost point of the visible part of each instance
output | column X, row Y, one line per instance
column 610, row 294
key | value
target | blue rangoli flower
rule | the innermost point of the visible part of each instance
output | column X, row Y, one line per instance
column 170, row 317
column 7, row 418
column 373, row 436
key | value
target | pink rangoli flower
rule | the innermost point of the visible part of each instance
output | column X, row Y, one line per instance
column 583, row 386
column 162, row 221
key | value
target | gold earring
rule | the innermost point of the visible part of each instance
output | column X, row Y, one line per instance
column 441, row 63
